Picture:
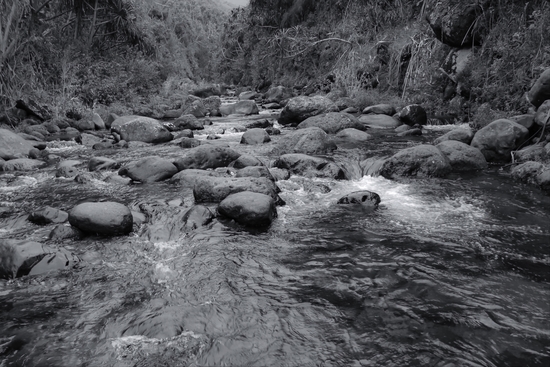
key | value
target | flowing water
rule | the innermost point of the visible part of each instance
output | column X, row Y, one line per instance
column 447, row 272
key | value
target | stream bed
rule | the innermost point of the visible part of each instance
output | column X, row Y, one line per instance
column 447, row 272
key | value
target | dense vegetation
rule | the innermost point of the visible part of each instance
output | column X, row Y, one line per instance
column 75, row 55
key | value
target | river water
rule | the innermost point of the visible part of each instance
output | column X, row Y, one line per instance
column 447, row 272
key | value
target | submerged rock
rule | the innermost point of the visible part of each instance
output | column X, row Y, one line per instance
column 196, row 217
column 251, row 209
column 20, row 258
column 102, row 218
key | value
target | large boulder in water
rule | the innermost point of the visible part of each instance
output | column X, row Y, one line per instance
column 102, row 218
column 20, row 258
column 140, row 128
column 14, row 145
column 498, row 139
column 306, row 165
column 413, row 115
column 215, row 189
column 332, row 122
column 251, row 209
column 351, row 136
column 255, row 137
column 300, row 108
column 419, row 161
column 189, row 122
column 457, row 22
column 462, row 135
column 149, row 169
column 311, row 140
column 206, row 156
column 379, row 121
column 242, row 107
column 462, row 157
column 540, row 91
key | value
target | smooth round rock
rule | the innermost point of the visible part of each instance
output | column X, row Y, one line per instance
column 103, row 218
column 249, row 208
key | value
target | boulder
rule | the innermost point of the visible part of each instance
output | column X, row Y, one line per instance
column 457, row 23
column 311, row 140
column 187, row 143
column 206, row 156
column 246, row 160
column 536, row 153
column 255, row 137
column 259, row 124
column 332, row 122
column 102, row 163
column 188, row 177
column 308, row 166
column 527, row 171
column 542, row 117
column 498, row 139
column 188, row 121
column 196, row 109
column 212, row 105
column 48, row 215
column 278, row 94
column 22, row 164
column 21, row 257
column 352, row 135
column 462, row 135
column 140, row 128
column 149, row 169
column 250, row 209
column 185, row 133
column 98, row 122
column 215, row 189
column 527, row 121
column 300, row 108
column 462, row 157
column 84, row 124
column 364, row 198
column 279, row 174
column 14, row 144
column 379, row 121
column 196, row 217
column 102, row 218
column 247, row 95
column 241, row 107
column 255, row 171
column 419, row 161
column 380, row 109
column 63, row 232
column 413, row 115
column 540, row 91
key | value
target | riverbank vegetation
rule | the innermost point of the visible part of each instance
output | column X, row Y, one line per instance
column 77, row 55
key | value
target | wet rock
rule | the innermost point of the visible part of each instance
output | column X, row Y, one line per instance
column 213, row 137
column 332, row 122
column 413, row 115
column 458, row 24
column 272, row 106
column 308, row 166
column 419, row 161
column 255, row 137
column 23, row 164
column 212, row 105
column 311, row 140
column 259, row 124
column 410, row 132
column 364, row 198
column 255, row 171
column 196, row 217
column 67, row 169
column 187, row 143
column 196, row 109
column 278, row 94
column 86, row 178
column 498, row 139
column 462, row 157
column 140, row 128
column 149, row 169
column 536, row 153
column 189, row 177
column 527, row 171
column 462, row 135
column 117, row 179
column 14, row 144
column 300, row 108
column 20, row 258
column 246, row 160
column 248, row 95
column 102, row 218
column 251, row 209
column 185, row 133
column 315, row 187
column 279, row 174
column 102, row 163
column 542, row 117
column 188, row 122
column 63, row 232
column 353, row 136
column 380, row 109
column 215, row 189
column 206, row 156
column 372, row 166
column 272, row 131
column 540, row 91
column 241, row 107
column 379, row 121
column 103, row 145
column 48, row 215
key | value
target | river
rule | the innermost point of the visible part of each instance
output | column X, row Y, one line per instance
column 446, row 273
